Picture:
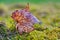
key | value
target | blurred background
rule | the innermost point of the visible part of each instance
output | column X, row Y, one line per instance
column 47, row 11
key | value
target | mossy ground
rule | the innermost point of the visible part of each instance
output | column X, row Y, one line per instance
column 47, row 29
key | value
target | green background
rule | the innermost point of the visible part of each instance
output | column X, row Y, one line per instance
column 30, row 1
